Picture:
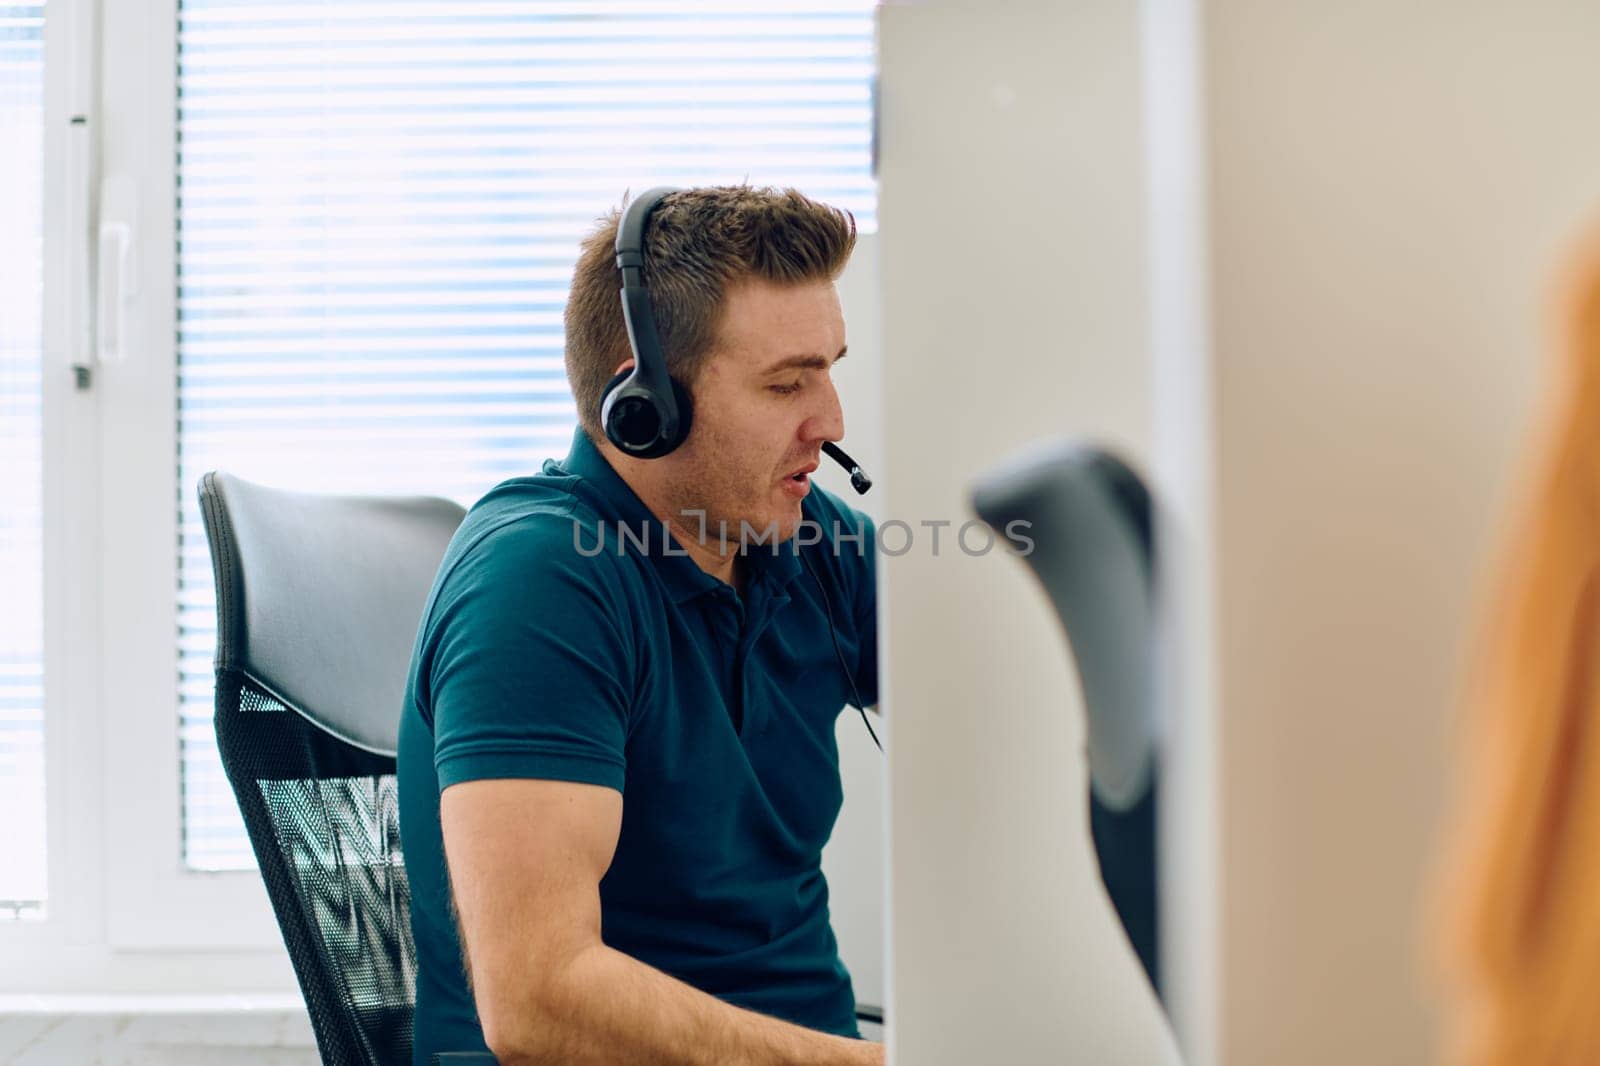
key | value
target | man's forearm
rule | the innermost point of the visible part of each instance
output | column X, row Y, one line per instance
column 606, row 1007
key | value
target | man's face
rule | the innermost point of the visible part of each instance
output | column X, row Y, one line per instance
column 763, row 404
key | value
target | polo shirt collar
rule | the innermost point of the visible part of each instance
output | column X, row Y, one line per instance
column 683, row 577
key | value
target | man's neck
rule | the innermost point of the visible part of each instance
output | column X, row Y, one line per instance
column 725, row 566
column 703, row 545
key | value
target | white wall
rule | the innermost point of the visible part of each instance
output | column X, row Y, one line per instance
column 1013, row 307
column 1390, row 186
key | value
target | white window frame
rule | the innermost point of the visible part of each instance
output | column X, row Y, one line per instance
column 157, row 902
column 122, row 913
column 72, row 800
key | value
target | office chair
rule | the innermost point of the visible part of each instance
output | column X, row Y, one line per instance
column 1092, row 526
column 318, row 600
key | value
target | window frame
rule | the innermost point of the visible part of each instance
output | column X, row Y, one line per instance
column 97, row 905
column 157, row 902
column 68, row 456
column 116, row 887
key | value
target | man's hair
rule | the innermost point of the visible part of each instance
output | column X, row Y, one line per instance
column 699, row 244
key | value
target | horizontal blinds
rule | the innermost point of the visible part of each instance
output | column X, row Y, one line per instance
column 380, row 205
column 22, row 845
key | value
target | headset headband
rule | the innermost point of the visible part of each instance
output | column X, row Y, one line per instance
column 644, row 412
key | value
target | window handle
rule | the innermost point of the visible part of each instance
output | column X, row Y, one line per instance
column 115, row 286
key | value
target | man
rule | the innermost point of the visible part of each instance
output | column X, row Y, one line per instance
column 617, row 756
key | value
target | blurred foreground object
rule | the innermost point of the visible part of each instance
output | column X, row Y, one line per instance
column 1518, row 929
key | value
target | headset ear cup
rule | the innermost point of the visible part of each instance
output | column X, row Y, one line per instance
column 607, row 424
column 611, row 386
column 613, row 425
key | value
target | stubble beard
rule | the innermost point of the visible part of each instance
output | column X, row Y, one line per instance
column 724, row 497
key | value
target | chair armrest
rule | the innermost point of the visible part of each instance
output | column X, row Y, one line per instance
column 866, row 1012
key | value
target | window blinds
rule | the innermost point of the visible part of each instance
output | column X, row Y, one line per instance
column 22, row 846
column 379, row 209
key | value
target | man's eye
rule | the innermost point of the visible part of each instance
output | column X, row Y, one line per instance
column 784, row 390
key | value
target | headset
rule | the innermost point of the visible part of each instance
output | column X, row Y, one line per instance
column 647, row 413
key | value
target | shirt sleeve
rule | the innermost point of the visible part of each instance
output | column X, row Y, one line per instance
column 532, row 661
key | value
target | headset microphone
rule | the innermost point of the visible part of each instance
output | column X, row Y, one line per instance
column 858, row 478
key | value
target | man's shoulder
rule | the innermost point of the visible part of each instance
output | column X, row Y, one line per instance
column 527, row 530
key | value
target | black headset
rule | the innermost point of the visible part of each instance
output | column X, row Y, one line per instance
column 646, row 412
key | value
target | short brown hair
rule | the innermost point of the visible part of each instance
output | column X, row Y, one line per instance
column 699, row 244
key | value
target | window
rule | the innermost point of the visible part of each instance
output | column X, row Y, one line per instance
column 378, row 216
column 337, row 235
column 22, row 796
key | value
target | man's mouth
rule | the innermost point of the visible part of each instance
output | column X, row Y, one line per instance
column 798, row 483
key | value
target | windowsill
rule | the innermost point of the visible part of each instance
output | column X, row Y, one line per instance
column 151, row 1028
column 251, row 1004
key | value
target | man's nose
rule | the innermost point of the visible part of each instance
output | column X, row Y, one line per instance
column 826, row 422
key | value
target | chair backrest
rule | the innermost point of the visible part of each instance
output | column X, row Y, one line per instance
column 1092, row 525
column 318, row 601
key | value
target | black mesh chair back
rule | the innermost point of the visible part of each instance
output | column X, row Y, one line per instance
column 318, row 601
column 1091, row 520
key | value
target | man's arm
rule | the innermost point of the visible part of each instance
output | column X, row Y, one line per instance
column 525, row 859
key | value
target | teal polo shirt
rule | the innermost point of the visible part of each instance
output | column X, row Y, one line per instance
column 568, row 638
